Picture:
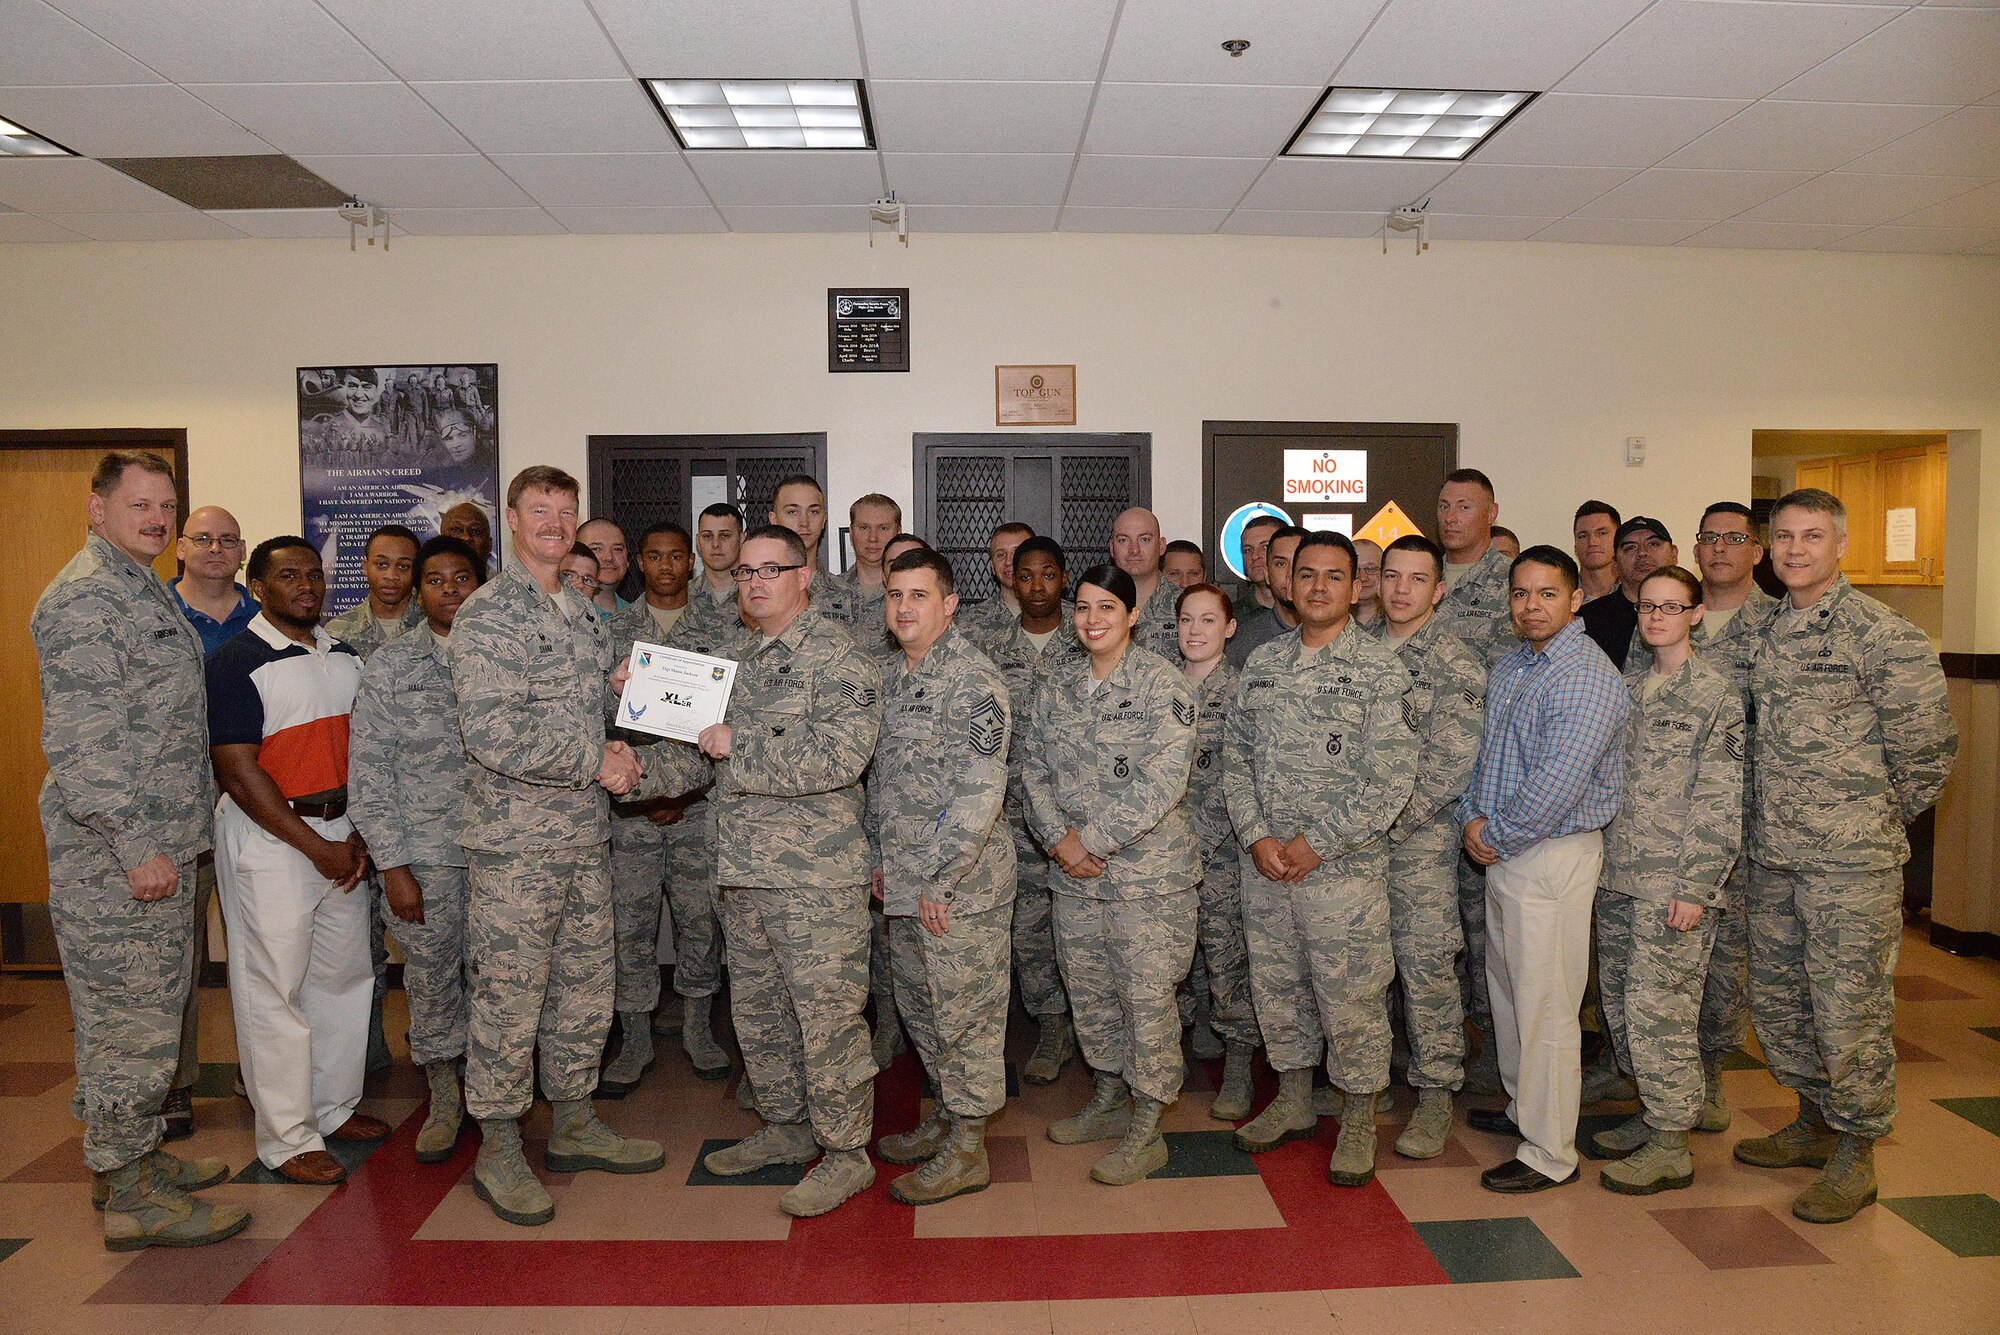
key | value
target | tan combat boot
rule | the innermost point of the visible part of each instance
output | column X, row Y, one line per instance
column 438, row 1137
column 1289, row 1116
column 1661, row 1164
column 920, row 1142
column 1627, row 1136
column 1232, row 1100
column 580, row 1143
column 634, row 1059
column 143, row 1208
column 958, row 1168
column 186, row 1174
column 1055, row 1046
column 1353, row 1162
column 1106, row 1117
column 1429, row 1128
column 1714, row 1100
column 772, row 1143
column 1142, row 1152
column 501, row 1176
column 698, row 1038
column 1807, row 1142
column 834, row 1179
column 1845, row 1188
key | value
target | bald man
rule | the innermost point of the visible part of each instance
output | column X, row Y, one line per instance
column 1137, row 550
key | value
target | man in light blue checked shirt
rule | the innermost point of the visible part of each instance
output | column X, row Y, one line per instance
column 1546, row 783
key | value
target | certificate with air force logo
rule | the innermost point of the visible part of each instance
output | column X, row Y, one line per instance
column 673, row 693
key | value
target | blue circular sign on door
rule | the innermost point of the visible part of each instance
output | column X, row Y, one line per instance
column 1232, row 532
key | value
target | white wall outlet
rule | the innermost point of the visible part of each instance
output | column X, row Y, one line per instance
column 1635, row 451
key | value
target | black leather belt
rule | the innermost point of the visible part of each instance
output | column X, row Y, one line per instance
column 332, row 808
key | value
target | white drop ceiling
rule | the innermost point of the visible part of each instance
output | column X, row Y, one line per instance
column 1761, row 123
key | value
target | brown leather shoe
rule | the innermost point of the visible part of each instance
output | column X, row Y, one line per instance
column 314, row 1168
column 360, row 1126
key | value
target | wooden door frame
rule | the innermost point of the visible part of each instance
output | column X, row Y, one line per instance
column 1385, row 432
column 168, row 441
column 925, row 445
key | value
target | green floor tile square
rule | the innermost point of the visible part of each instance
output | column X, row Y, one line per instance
column 1481, row 1251
column 1966, row 1225
column 1992, row 1031
column 351, row 1153
column 8, row 1246
column 1205, row 1154
column 1983, row 1113
column 772, row 1175
column 216, row 1081
column 1739, row 1060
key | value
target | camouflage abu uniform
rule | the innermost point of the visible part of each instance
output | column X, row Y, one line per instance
column 1676, row 835
column 935, row 791
column 1159, row 627
column 987, row 624
column 688, row 845
column 125, row 730
column 364, row 632
column 1219, row 926
column 1445, row 707
column 1113, row 765
column 1317, row 745
column 407, row 786
column 638, row 851
column 1852, row 742
column 863, row 603
column 833, row 597
column 529, row 670
column 793, row 870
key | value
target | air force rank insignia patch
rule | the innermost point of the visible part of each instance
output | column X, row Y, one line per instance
column 987, row 726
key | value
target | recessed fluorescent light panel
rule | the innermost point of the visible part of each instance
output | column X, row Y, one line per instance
column 1402, row 123
column 19, row 142
column 764, row 113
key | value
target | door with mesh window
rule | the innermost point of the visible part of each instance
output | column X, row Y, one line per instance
column 1068, row 486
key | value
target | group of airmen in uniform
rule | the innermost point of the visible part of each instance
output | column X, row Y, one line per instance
column 1084, row 792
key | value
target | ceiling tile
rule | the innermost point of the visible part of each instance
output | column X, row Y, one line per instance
column 39, row 46
column 556, row 116
column 1476, row 227
column 1587, row 130
column 1965, row 143
column 738, row 39
column 335, row 117
column 1852, row 197
column 1770, row 236
column 476, row 39
column 1802, row 136
column 1928, row 55
column 851, row 179
column 142, row 121
column 421, row 180
column 605, row 180
column 1206, row 120
column 995, row 39
column 1180, row 41
column 76, row 185
column 285, row 224
column 1922, row 240
column 983, row 218
column 1695, row 48
column 1300, row 222
column 1191, row 221
column 476, row 222
column 1524, row 191
column 805, row 218
column 1669, row 193
column 186, row 225
column 635, row 221
column 230, row 41
column 1321, row 185
column 926, row 117
column 1162, row 182
column 25, row 228
column 1618, row 231
column 1482, row 45
column 1979, row 208
column 1022, row 179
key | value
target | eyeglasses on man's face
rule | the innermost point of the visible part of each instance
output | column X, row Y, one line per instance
column 767, row 573
column 1708, row 537
column 222, row 542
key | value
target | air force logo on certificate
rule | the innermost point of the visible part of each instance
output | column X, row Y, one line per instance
column 673, row 693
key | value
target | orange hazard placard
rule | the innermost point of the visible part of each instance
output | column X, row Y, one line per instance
column 1389, row 524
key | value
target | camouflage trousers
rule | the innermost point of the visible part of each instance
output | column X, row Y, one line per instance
column 128, row 967
column 1473, row 994
column 538, row 928
column 638, row 877
column 881, row 972
column 1725, row 994
column 1320, row 965
column 1822, row 964
column 690, row 854
column 1649, row 980
column 187, row 1069
column 952, row 992
column 1121, row 961
column 434, row 965
column 1224, row 951
column 1425, row 933
column 798, row 979
column 1035, row 969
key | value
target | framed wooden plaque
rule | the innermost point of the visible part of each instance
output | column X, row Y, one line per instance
column 1034, row 395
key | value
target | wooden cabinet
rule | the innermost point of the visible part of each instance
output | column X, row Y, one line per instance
column 1871, row 486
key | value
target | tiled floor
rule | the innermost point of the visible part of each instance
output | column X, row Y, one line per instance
column 1218, row 1242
